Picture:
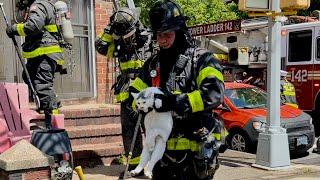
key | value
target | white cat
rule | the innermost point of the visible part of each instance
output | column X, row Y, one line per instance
column 158, row 128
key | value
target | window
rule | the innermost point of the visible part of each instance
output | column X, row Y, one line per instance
column 247, row 98
column 78, row 83
column 318, row 48
column 300, row 46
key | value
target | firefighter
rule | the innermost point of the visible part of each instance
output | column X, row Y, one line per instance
column 126, row 39
column 288, row 93
column 42, row 50
column 193, row 86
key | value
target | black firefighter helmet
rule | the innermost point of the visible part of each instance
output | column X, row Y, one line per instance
column 23, row 4
column 124, row 22
column 165, row 16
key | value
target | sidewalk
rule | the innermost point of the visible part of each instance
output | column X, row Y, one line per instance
column 234, row 166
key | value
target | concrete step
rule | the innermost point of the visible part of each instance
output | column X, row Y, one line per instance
column 91, row 121
column 96, row 154
column 95, row 134
column 96, row 140
column 83, row 111
column 91, row 115
column 94, row 130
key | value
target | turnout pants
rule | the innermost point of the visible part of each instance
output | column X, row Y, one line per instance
column 179, row 167
column 41, row 70
column 128, row 123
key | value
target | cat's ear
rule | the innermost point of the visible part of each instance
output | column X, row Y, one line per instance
column 135, row 95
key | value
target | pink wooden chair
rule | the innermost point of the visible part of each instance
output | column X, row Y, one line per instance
column 15, row 115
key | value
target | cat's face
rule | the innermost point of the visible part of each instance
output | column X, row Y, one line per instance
column 144, row 100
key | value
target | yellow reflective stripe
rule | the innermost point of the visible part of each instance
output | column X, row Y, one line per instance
column 51, row 28
column 288, row 87
column 179, row 144
column 195, row 101
column 134, row 103
column 177, row 92
column 220, row 57
column 186, row 144
column 225, row 132
column 42, row 51
column 60, row 62
column 106, row 37
column 55, row 111
column 217, row 136
column 20, row 29
column 194, row 146
column 289, row 93
column 138, row 84
column 293, row 105
column 132, row 64
column 133, row 161
column 111, row 50
column 209, row 71
column 122, row 96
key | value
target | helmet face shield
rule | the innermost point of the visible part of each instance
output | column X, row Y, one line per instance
column 123, row 23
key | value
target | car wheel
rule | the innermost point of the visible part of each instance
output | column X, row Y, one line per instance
column 239, row 141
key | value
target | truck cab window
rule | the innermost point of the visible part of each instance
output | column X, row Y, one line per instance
column 300, row 46
column 318, row 48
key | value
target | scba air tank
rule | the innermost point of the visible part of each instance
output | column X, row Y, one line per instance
column 64, row 21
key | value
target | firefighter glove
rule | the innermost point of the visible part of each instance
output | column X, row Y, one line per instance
column 108, row 30
column 164, row 102
column 10, row 31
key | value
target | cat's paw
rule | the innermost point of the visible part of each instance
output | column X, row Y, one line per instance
column 134, row 172
column 148, row 174
column 158, row 103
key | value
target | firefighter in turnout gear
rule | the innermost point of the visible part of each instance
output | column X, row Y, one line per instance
column 288, row 93
column 42, row 50
column 127, row 40
column 193, row 86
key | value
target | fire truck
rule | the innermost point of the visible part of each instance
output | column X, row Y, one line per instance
column 244, row 55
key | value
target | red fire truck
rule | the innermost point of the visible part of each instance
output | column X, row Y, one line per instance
column 246, row 54
column 301, row 54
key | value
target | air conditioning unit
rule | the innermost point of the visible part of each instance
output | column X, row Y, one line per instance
column 239, row 56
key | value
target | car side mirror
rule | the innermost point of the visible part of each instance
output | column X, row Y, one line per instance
column 223, row 107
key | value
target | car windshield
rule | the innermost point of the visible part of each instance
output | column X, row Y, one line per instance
column 247, row 98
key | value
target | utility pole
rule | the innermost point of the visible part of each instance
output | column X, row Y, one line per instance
column 273, row 147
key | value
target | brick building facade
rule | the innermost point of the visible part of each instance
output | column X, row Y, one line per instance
column 105, row 67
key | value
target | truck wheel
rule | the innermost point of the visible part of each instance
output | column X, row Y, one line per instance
column 240, row 141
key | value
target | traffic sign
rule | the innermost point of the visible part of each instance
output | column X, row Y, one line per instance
column 254, row 5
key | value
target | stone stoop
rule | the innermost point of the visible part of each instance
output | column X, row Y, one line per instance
column 95, row 133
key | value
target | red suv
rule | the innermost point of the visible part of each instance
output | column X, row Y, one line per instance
column 244, row 115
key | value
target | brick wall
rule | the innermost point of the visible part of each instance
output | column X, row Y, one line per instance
column 29, row 174
column 105, row 75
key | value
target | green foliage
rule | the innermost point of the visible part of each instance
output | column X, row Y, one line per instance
column 144, row 6
column 240, row 14
column 314, row 5
column 198, row 11
column 206, row 11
